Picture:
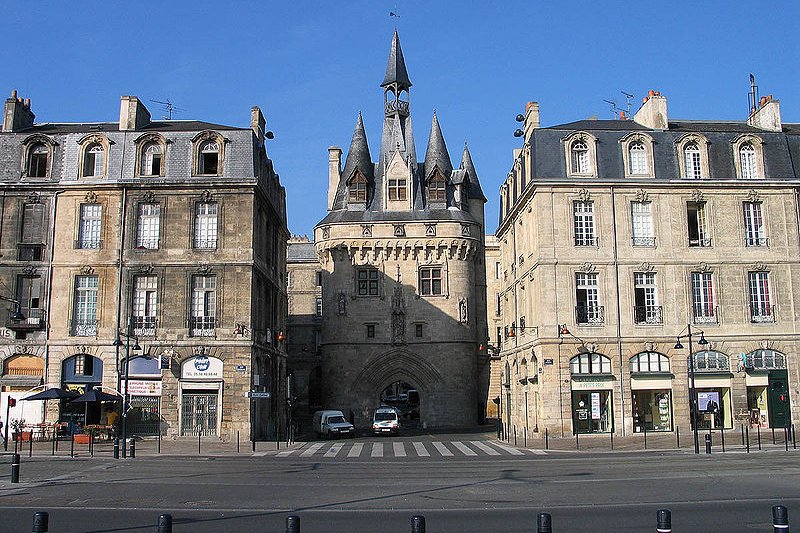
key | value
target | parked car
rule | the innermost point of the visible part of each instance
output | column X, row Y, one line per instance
column 386, row 420
column 330, row 423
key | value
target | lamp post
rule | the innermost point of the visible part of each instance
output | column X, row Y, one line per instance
column 126, row 397
column 15, row 315
column 692, row 389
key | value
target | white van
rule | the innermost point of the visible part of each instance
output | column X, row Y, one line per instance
column 385, row 420
column 331, row 423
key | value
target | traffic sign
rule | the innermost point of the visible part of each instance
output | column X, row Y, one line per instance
column 258, row 394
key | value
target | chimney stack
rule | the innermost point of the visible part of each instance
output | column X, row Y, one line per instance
column 17, row 114
column 258, row 123
column 334, row 173
column 653, row 113
column 531, row 118
column 767, row 116
column 133, row 115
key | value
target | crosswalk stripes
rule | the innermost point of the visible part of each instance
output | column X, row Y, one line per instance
column 398, row 449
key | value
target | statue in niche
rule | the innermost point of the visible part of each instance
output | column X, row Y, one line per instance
column 462, row 310
column 341, row 302
column 398, row 315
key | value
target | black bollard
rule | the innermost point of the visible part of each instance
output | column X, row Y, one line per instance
column 577, row 444
column 546, row 439
column 40, row 522
column 644, row 428
column 515, row 435
column 780, row 519
column 773, row 435
column 116, row 447
column 30, row 446
column 133, row 448
column 544, row 523
column 678, row 437
column 72, row 445
column 722, row 438
column 293, row 524
column 708, row 442
column 418, row 524
column 747, row 437
column 159, row 439
column 663, row 521
column 786, row 438
column 15, row 468
column 54, row 442
column 237, row 441
column 742, row 434
column 794, row 441
column 612, row 439
column 165, row 523
column 758, row 432
column 199, row 433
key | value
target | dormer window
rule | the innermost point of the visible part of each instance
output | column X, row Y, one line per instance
column 397, row 189
column 152, row 159
column 692, row 152
column 638, row 159
column 437, row 191
column 38, row 159
column 358, row 189
column 580, row 158
column 208, row 163
column 747, row 161
column 693, row 168
column 93, row 160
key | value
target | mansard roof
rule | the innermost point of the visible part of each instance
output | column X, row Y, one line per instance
column 53, row 128
column 396, row 72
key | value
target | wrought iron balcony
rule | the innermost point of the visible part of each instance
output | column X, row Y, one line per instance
column 143, row 326
column 146, row 244
column 648, row 314
column 643, row 241
column 34, row 319
column 82, row 327
column 585, row 241
column 755, row 241
column 762, row 313
column 202, row 326
column 592, row 315
column 700, row 242
column 205, row 244
column 705, row 314
column 88, row 244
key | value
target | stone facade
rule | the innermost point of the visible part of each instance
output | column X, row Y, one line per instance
column 617, row 236
column 493, row 368
column 403, row 273
column 170, row 235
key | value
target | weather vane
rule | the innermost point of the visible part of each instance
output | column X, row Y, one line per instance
column 395, row 14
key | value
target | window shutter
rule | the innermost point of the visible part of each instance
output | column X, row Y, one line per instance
column 32, row 224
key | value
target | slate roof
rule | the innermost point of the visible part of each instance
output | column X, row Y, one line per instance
column 52, row 128
column 436, row 154
column 396, row 72
column 301, row 252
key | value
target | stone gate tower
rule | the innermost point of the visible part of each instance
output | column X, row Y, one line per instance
column 403, row 306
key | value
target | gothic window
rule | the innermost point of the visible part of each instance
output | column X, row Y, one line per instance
column 430, row 281
column 367, row 279
column 358, row 189
column 437, row 189
column 397, row 189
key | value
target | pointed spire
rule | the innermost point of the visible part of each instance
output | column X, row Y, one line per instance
column 436, row 155
column 474, row 188
column 358, row 157
column 396, row 72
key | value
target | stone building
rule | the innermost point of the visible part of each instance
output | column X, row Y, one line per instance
column 403, row 303
column 620, row 237
column 304, row 326
column 494, row 286
column 167, row 235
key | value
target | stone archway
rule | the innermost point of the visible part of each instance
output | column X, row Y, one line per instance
column 404, row 397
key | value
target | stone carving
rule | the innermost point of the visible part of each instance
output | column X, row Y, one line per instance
column 341, row 304
column 90, row 197
column 146, row 269
column 767, row 344
column 753, row 196
column 704, row 267
column 650, row 346
column 587, row 267
column 466, row 230
column 80, row 348
column 205, row 196
column 645, row 267
column 642, row 196
column 758, row 265
column 584, row 195
column 34, row 198
column 462, row 310
column 399, row 230
column 204, row 268
column 200, row 350
column 366, row 230
column 430, row 230
column 698, row 196
column 29, row 270
column 149, row 197
column 398, row 315
column 326, row 233
column 87, row 270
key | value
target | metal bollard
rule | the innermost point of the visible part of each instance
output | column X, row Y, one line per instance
column 742, row 434
column 133, row 448
column 72, row 445
column 418, row 524
column 708, row 442
column 15, row 468
column 663, row 521
column 544, row 523
column 546, row 439
column 116, row 448
column 30, row 445
column 758, row 432
column 747, row 436
column 780, row 519
column 722, row 438
column 678, row 437
column 293, row 524
column 40, row 522
column 165, row 523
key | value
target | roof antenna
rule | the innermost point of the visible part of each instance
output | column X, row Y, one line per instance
column 168, row 107
column 752, row 96
column 618, row 111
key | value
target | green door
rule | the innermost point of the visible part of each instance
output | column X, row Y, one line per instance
column 778, row 399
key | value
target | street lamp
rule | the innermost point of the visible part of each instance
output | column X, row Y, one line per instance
column 692, row 389
column 16, row 315
column 126, row 397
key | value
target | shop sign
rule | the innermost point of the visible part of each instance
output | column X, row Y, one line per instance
column 595, row 406
column 201, row 367
column 589, row 384
column 6, row 333
column 143, row 387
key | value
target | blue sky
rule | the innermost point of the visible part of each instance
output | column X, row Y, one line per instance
column 313, row 65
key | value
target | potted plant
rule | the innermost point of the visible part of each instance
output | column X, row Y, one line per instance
column 17, row 425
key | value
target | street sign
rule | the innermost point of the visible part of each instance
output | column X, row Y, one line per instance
column 241, row 368
column 258, row 394
column 548, row 361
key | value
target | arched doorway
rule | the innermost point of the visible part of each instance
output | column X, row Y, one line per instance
column 404, row 397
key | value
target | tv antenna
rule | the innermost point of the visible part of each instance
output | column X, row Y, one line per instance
column 616, row 110
column 168, row 107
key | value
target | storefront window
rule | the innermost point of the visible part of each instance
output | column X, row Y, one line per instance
column 649, row 362
column 592, row 411
column 652, row 410
column 713, row 406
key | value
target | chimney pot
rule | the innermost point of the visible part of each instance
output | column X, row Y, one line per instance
column 644, row 99
column 651, row 92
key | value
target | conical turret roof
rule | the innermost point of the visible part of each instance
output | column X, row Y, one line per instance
column 436, row 155
column 396, row 72
column 358, row 157
column 474, row 188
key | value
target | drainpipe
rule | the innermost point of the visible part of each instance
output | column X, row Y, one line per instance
column 120, row 260
column 619, row 316
column 53, row 225
column 560, row 338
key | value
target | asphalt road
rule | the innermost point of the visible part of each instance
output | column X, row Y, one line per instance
column 619, row 492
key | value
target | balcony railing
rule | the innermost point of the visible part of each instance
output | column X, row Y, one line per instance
column 30, row 252
column 146, row 244
column 700, row 242
column 648, row 314
column 762, row 313
column 88, row 244
column 82, row 327
column 586, row 241
column 144, row 326
column 592, row 315
column 202, row 326
column 205, row 244
column 755, row 241
column 34, row 319
column 705, row 314
column 643, row 241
